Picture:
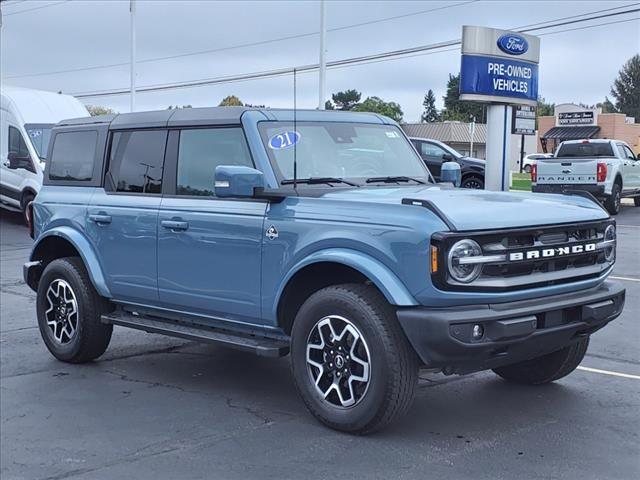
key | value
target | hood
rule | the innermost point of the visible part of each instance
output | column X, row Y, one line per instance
column 474, row 161
column 470, row 209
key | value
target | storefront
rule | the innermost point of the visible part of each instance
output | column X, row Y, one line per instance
column 573, row 122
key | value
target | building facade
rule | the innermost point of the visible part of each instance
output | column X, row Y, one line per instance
column 573, row 122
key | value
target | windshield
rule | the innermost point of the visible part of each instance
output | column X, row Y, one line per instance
column 340, row 150
column 587, row 149
column 39, row 136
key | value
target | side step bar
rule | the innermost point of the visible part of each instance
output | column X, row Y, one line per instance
column 265, row 347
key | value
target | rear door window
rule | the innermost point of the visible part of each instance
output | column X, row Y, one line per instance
column 73, row 156
column 136, row 161
column 201, row 151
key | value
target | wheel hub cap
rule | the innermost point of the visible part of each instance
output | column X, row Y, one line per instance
column 338, row 361
column 62, row 311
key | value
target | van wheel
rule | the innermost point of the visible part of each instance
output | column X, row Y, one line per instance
column 351, row 362
column 27, row 198
column 612, row 202
column 547, row 368
column 69, row 310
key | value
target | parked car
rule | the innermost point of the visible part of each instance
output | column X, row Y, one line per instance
column 528, row 160
column 26, row 119
column 608, row 169
column 317, row 234
column 435, row 153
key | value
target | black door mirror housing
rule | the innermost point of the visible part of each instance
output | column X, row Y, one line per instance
column 16, row 162
column 447, row 157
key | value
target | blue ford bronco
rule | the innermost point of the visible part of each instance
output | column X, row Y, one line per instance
column 316, row 234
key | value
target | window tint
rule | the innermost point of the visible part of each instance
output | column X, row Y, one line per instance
column 586, row 149
column 73, row 156
column 628, row 153
column 17, row 144
column 137, row 159
column 431, row 150
column 201, row 151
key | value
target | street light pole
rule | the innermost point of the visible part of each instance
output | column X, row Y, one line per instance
column 132, row 9
column 323, row 62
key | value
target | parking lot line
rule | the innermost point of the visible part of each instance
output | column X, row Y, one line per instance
column 629, row 279
column 629, row 226
column 608, row 372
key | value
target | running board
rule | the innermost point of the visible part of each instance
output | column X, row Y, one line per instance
column 265, row 347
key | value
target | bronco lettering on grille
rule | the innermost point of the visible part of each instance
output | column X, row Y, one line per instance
column 551, row 252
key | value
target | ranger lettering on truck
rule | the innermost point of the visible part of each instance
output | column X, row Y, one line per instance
column 320, row 235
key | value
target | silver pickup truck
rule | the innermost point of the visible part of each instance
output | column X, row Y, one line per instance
column 608, row 169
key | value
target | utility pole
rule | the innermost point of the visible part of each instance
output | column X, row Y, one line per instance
column 323, row 61
column 132, row 9
column 473, row 131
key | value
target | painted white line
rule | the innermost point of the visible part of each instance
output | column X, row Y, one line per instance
column 628, row 226
column 628, row 279
column 608, row 372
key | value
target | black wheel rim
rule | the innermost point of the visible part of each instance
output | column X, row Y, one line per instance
column 473, row 183
column 338, row 361
column 62, row 311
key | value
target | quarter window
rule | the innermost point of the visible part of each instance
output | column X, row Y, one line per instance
column 136, row 160
column 73, row 156
column 201, row 151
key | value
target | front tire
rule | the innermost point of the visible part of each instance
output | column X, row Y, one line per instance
column 547, row 368
column 474, row 182
column 351, row 362
column 26, row 200
column 612, row 202
column 69, row 311
column 636, row 201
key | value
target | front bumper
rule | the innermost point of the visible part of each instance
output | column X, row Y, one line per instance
column 595, row 190
column 513, row 331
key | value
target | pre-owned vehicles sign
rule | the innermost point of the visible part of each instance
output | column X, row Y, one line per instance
column 499, row 66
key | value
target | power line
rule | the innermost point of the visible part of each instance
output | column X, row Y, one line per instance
column 243, row 45
column 35, row 8
column 334, row 64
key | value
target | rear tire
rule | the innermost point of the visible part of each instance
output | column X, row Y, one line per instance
column 636, row 201
column 547, row 368
column 69, row 311
column 336, row 332
column 612, row 202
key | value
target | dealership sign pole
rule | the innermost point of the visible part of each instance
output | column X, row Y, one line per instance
column 500, row 68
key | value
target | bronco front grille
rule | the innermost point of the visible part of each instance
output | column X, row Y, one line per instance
column 523, row 258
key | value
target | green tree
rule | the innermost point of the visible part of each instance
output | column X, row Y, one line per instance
column 545, row 109
column 461, row 110
column 95, row 110
column 346, row 100
column 430, row 113
column 231, row 101
column 607, row 106
column 328, row 105
column 377, row 105
column 626, row 88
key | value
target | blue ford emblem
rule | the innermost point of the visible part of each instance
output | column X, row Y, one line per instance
column 513, row 44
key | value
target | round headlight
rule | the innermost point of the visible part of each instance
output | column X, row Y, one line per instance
column 459, row 270
column 610, row 234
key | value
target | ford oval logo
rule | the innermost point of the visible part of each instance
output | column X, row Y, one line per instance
column 513, row 44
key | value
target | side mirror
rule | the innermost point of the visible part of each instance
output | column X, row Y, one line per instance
column 447, row 157
column 237, row 181
column 16, row 162
column 450, row 173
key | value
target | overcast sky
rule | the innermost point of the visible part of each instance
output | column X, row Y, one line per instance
column 576, row 66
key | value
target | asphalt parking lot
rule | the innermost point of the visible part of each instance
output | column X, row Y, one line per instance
column 156, row 407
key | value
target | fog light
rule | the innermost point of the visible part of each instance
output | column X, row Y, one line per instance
column 478, row 332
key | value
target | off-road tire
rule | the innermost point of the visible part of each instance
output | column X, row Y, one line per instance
column 393, row 362
column 613, row 201
column 547, row 368
column 91, row 337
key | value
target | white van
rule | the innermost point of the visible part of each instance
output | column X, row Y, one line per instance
column 26, row 119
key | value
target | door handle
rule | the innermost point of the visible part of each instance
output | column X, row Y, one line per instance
column 175, row 225
column 100, row 218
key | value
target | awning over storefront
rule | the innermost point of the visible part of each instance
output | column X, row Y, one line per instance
column 571, row 133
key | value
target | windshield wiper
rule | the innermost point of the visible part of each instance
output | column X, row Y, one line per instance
column 317, row 180
column 396, row 179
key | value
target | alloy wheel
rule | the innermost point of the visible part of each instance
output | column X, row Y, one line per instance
column 62, row 311
column 338, row 361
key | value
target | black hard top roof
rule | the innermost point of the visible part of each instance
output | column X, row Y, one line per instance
column 164, row 118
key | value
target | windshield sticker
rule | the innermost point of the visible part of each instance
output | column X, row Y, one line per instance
column 392, row 134
column 284, row 140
